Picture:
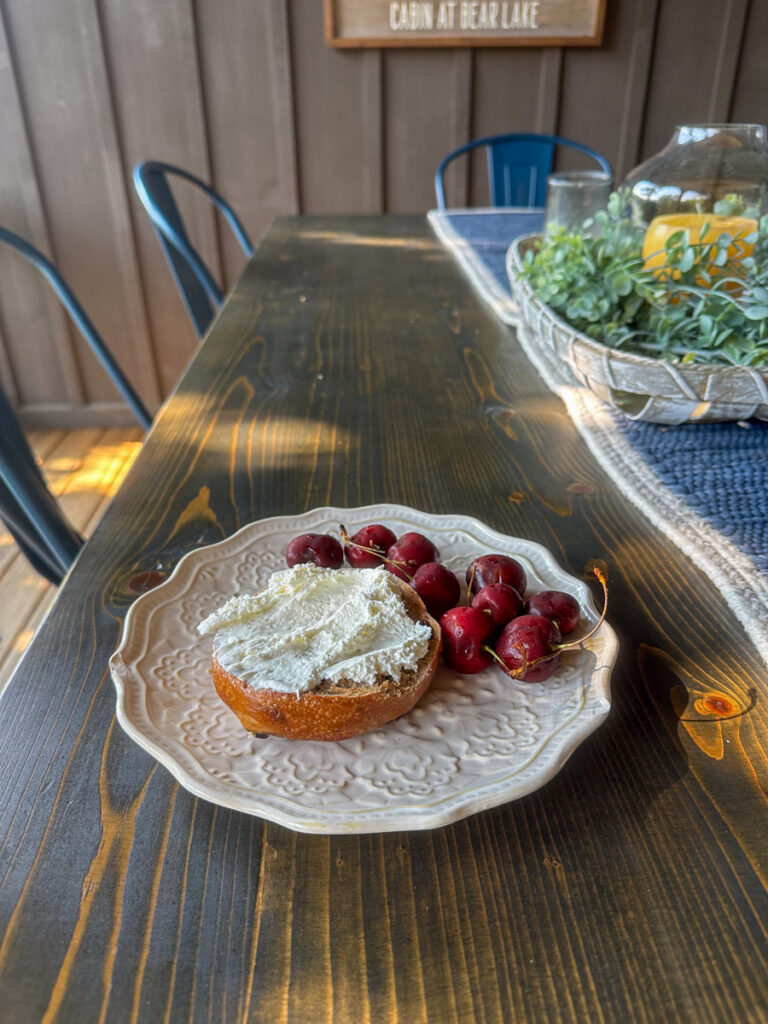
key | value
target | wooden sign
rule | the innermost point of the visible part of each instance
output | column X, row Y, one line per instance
column 464, row 22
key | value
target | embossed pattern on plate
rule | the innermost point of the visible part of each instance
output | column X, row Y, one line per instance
column 471, row 743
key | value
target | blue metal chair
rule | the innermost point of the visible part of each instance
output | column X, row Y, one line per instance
column 199, row 289
column 81, row 321
column 27, row 506
column 518, row 165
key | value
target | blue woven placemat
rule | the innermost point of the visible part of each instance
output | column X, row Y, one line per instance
column 704, row 484
column 719, row 469
column 479, row 239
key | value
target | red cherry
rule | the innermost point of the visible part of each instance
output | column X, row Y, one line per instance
column 437, row 587
column 489, row 569
column 465, row 632
column 500, row 601
column 320, row 548
column 367, row 548
column 410, row 551
column 562, row 608
column 527, row 640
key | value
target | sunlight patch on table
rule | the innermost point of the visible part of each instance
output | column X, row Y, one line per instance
column 293, row 441
column 351, row 238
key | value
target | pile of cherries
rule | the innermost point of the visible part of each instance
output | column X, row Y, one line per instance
column 522, row 635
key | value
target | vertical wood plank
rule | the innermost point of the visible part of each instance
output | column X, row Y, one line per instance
column 681, row 82
column 514, row 91
column 418, row 133
column 749, row 102
column 548, row 97
column 65, row 91
column 284, row 120
column 37, row 360
column 727, row 66
column 459, row 176
column 340, row 108
column 152, row 56
column 627, row 153
column 244, row 55
column 603, row 91
column 373, row 132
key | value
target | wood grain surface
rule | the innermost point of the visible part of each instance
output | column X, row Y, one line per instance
column 353, row 364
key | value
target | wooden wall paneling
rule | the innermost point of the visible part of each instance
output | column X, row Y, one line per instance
column 685, row 59
column 727, row 67
column 37, row 360
column 604, row 89
column 536, row 97
column 245, row 71
column 749, row 102
column 339, row 111
column 459, row 103
column 373, row 132
column 638, row 69
column 514, row 90
column 284, row 119
column 65, row 90
column 424, row 120
column 548, row 98
column 507, row 91
column 153, row 64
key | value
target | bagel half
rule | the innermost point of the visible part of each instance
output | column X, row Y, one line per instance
column 334, row 710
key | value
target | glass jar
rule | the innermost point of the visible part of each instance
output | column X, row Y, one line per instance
column 709, row 179
column 705, row 168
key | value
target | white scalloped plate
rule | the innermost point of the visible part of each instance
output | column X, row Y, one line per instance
column 471, row 743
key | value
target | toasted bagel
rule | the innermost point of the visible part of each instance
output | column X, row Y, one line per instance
column 334, row 710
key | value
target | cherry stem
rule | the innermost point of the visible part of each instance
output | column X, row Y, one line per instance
column 557, row 648
column 471, row 581
column 375, row 551
column 577, row 643
column 517, row 672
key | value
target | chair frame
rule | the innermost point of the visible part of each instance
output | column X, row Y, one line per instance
column 547, row 145
column 27, row 506
column 200, row 291
column 82, row 321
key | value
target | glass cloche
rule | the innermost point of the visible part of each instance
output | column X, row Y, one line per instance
column 705, row 168
column 710, row 179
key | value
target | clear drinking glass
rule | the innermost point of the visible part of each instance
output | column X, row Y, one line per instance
column 575, row 196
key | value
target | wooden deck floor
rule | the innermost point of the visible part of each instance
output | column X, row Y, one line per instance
column 84, row 469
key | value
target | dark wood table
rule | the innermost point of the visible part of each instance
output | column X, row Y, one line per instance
column 631, row 888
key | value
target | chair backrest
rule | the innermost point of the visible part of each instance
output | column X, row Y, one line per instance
column 81, row 321
column 518, row 165
column 27, row 506
column 201, row 293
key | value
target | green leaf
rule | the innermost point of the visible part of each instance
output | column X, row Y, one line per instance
column 756, row 312
column 713, row 310
column 676, row 238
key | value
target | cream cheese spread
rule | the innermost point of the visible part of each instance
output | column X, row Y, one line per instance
column 312, row 624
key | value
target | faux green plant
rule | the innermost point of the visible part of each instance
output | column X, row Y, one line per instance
column 699, row 306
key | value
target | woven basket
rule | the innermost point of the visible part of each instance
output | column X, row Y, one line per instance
column 641, row 388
